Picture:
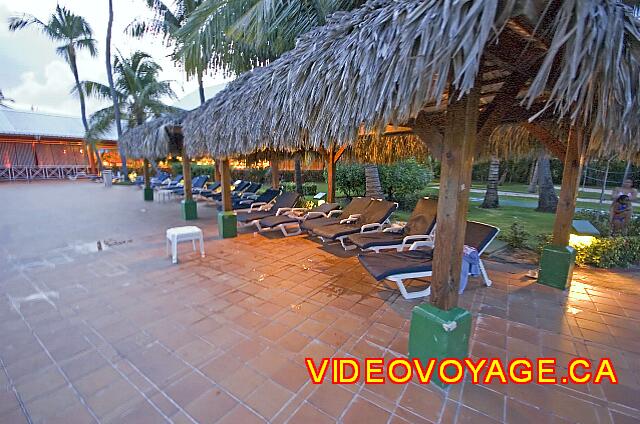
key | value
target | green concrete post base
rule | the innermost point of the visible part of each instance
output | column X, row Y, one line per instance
column 189, row 210
column 148, row 194
column 439, row 334
column 556, row 266
column 227, row 224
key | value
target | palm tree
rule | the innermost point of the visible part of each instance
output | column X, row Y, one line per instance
column 167, row 22
column 139, row 92
column 112, row 91
column 373, row 188
column 491, row 199
column 297, row 165
column 547, row 198
column 75, row 34
column 242, row 34
column 4, row 99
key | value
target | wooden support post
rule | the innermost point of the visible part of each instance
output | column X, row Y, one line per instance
column 145, row 173
column 331, row 176
column 573, row 161
column 275, row 174
column 455, row 182
column 225, row 173
column 216, row 170
column 186, row 175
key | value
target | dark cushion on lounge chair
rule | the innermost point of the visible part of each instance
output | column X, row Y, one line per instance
column 284, row 200
column 377, row 212
column 273, row 221
column 376, row 238
column 252, row 216
column 423, row 217
column 312, row 224
column 265, row 197
column 336, row 230
column 383, row 265
column 478, row 235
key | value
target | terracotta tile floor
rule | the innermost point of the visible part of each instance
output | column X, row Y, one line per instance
column 121, row 335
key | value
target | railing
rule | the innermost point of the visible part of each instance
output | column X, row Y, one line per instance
column 46, row 172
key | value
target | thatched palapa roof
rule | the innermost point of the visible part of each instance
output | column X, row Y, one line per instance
column 390, row 60
column 154, row 139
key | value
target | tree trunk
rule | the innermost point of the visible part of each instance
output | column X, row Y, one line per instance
column 372, row 182
column 275, row 174
column 491, row 200
column 533, row 177
column 83, row 111
column 201, row 88
column 547, row 199
column 114, row 97
column 627, row 169
column 298, row 174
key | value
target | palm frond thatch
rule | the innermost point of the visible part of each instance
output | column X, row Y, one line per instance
column 154, row 139
column 386, row 61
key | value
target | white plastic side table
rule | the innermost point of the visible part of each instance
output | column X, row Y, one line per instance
column 178, row 234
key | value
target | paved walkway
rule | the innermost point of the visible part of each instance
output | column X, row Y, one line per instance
column 121, row 335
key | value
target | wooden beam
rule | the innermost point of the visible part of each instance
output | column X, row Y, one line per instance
column 339, row 153
column 455, row 182
column 555, row 146
column 145, row 173
column 186, row 174
column 502, row 103
column 573, row 161
column 275, row 174
column 331, row 176
column 226, row 186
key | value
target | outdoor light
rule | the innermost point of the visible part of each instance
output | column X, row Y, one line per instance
column 584, row 233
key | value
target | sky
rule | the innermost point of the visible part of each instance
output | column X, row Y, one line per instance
column 36, row 78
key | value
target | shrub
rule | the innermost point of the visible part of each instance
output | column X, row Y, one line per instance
column 610, row 252
column 516, row 236
column 410, row 200
column 402, row 180
column 350, row 179
column 308, row 189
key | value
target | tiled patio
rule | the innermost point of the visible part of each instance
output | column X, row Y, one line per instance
column 121, row 335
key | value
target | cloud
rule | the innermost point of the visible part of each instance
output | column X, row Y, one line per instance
column 33, row 75
column 50, row 92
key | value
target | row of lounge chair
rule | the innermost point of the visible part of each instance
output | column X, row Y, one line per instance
column 363, row 224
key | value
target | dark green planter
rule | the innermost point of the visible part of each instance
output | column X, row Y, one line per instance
column 556, row 266
column 439, row 334
column 148, row 194
column 189, row 210
column 227, row 224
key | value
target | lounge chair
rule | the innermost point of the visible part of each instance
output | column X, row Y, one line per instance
column 372, row 219
column 285, row 202
column 294, row 217
column 238, row 188
column 262, row 200
column 196, row 184
column 172, row 184
column 418, row 263
column 354, row 208
column 420, row 226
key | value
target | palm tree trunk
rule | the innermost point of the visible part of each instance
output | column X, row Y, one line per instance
column 201, row 88
column 372, row 182
column 114, row 97
column 298, row 174
column 533, row 177
column 83, row 109
column 491, row 200
column 547, row 199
